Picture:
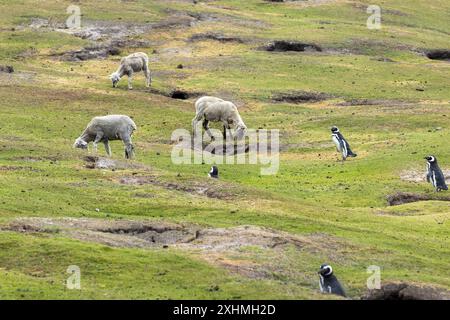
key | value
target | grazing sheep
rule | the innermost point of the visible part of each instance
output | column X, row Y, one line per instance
column 218, row 110
column 104, row 129
column 135, row 62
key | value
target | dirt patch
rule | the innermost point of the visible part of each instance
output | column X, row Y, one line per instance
column 224, row 247
column 127, row 233
column 16, row 78
column 94, row 162
column 223, row 239
column 216, row 37
column 228, row 18
column 420, row 176
column 283, row 46
column 102, row 30
column 408, row 197
column 115, row 233
column 101, row 51
column 37, row 159
column 27, row 54
column 438, row 54
column 210, row 190
column 374, row 102
column 407, row 291
column 6, row 69
column 300, row 97
column 89, row 53
column 229, row 149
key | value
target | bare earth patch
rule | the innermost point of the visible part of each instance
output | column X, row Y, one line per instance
column 94, row 162
column 210, row 190
column 374, row 102
column 420, row 176
column 115, row 233
column 15, row 78
column 215, row 36
column 224, row 247
column 300, row 97
column 407, row 291
column 408, row 197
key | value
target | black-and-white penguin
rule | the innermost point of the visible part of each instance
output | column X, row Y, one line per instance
column 342, row 145
column 214, row 172
column 434, row 174
column 328, row 282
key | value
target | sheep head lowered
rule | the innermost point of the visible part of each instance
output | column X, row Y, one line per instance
column 80, row 143
column 115, row 78
column 241, row 129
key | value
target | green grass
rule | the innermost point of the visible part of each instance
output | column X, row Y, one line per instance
column 312, row 194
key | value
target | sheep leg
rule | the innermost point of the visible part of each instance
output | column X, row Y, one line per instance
column 206, row 127
column 226, row 127
column 97, row 139
column 148, row 77
column 196, row 119
column 129, row 153
column 130, row 78
column 107, row 147
column 224, row 134
column 229, row 131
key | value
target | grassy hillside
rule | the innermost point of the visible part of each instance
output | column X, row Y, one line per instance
column 389, row 99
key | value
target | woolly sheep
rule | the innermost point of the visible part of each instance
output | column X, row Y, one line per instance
column 135, row 62
column 104, row 129
column 218, row 110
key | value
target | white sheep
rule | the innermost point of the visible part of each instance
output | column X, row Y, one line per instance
column 104, row 129
column 218, row 110
column 135, row 62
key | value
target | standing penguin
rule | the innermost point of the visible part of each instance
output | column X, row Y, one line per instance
column 434, row 174
column 342, row 145
column 214, row 173
column 328, row 282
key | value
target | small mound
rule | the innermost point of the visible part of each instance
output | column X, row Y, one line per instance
column 400, row 198
column 301, row 97
column 438, row 54
column 283, row 46
column 406, row 291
